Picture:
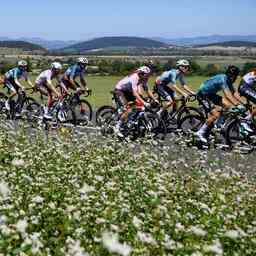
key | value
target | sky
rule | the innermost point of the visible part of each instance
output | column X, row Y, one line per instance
column 86, row 19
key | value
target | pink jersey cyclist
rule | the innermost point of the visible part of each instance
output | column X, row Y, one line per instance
column 127, row 89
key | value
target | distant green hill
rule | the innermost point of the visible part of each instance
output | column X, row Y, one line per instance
column 230, row 44
column 113, row 42
column 25, row 46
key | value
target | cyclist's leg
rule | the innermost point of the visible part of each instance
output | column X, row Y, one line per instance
column 250, row 94
column 166, row 93
column 212, row 117
column 12, row 89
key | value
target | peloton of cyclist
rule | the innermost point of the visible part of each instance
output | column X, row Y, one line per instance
column 68, row 80
column 165, row 85
column 128, row 90
column 11, row 80
column 247, row 89
column 208, row 91
column 44, row 84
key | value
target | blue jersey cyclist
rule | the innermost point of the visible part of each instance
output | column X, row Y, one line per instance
column 209, row 91
column 68, row 80
column 12, row 80
column 166, row 84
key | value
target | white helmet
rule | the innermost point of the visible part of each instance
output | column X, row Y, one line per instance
column 56, row 65
column 182, row 63
column 144, row 70
column 22, row 63
column 82, row 60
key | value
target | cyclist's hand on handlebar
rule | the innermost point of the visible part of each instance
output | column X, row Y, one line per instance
column 147, row 105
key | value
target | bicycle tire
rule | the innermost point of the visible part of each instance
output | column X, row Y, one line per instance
column 191, row 123
column 101, row 112
column 83, row 117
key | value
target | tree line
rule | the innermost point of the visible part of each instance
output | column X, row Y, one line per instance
column 118, row 67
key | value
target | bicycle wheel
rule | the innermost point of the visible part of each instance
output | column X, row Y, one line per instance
column 191, row 123
column 236, row 136
column 187, row 110
column 34, row 112
column 155, row 126
column 102, row 113
column 66, row 116
column 83, row 112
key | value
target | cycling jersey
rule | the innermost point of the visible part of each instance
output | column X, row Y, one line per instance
column 130, row 83
column 246, row 87
column 74, row 71
column 171, row 76
column 45, row 77
column 250, row 78
column 215, row 84
column 15, row 73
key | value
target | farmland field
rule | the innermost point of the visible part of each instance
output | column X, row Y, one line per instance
column 102, row 85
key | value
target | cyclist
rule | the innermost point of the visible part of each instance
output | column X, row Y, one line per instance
column 247, row 89
column 165, row 85
column 44, row 84
column 208, row 91
column 128, row 91
column 68, row 79
column 11, row 80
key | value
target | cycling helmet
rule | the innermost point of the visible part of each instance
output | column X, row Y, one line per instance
column 22, row 63
column 144, row 70
column 56, row 65
column 182, row 63
column 82, row 60
column 232, row 71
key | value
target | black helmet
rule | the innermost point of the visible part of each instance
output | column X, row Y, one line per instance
column 232, row 71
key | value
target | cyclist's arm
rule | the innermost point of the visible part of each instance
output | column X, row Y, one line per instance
column 137, row 95
column 187, row 89
column 17, row 82
column 83, row 82
column 178, row 90
column 29, row 82
column 230, row 97
column 52, row 87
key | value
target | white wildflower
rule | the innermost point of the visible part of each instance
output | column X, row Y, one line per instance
column 146, row 238
column 216, row 248
column 74, row 248
column 18, row 162
column 37, row 199
column 21, row 226
column 197, row 253
column 136, row 222
column 179, row 227
column 4, row 190
column 169, row 243
column 111, row 243
column 198, row 231
column 36, row 243
column 233, row 234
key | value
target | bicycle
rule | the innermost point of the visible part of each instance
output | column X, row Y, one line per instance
column 81, row 107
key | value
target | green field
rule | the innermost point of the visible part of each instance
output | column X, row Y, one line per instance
column 102, row 85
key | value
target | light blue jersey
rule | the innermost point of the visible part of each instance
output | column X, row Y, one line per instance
column 171, row 76
column 15, row 73
column 215, row 84
column 74, row 71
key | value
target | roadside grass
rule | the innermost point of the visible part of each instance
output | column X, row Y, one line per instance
column 97, row 196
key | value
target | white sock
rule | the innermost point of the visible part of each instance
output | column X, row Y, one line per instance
column 203, row 129
column 249, row 117
column 160, row 112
